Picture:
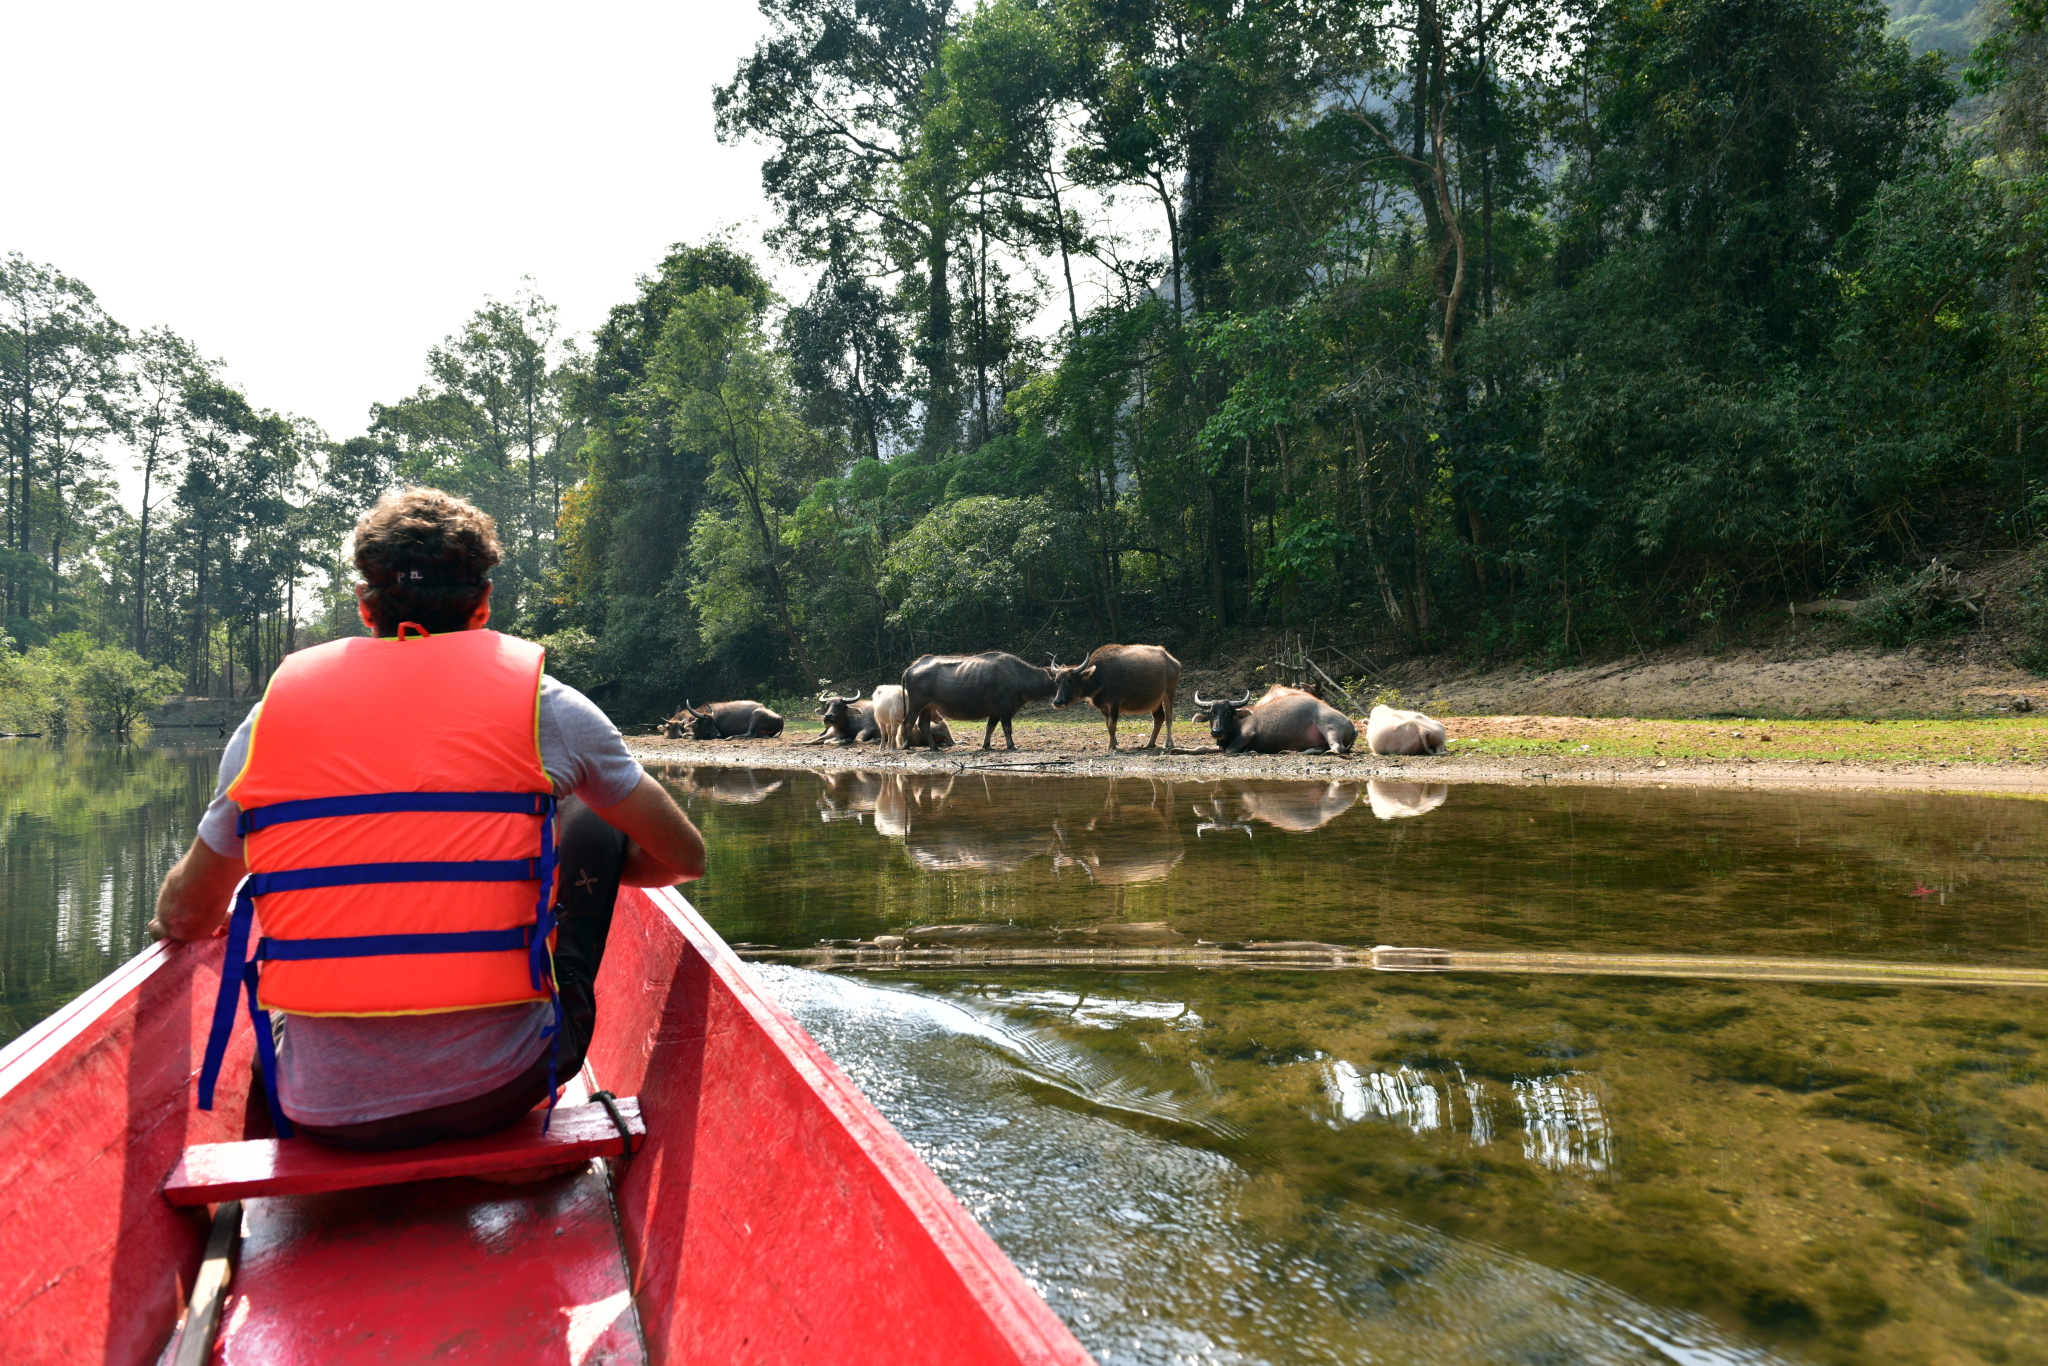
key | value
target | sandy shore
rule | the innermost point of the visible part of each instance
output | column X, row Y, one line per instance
column 1070, row 748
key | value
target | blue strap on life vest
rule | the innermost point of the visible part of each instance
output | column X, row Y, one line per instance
column 240, row 969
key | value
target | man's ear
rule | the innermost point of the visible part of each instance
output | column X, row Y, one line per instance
column 363, row 608
column 481, row 617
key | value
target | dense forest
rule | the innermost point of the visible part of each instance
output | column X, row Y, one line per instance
column 1531, row 328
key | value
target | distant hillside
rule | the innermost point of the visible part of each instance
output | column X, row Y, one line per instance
column 1949, row 26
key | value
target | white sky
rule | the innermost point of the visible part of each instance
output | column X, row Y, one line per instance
column 317, row 194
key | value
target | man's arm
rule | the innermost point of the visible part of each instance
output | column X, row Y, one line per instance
column 665, row 847
column 195, row 898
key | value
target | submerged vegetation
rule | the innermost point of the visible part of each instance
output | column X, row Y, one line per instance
column 1534, row 329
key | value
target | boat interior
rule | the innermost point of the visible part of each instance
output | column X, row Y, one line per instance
column 769, row 1214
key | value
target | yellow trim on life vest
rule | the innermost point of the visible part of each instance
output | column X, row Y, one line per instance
column 383, row 1014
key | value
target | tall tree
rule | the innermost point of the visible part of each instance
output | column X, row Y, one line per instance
column 491, row 424
column 839, row 90
column 60, row 383
column 167, row 371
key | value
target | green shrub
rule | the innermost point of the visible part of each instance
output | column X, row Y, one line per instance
column 72, row 684
column 572, row 657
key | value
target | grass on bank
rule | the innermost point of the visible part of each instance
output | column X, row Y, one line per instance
column 2022, row 739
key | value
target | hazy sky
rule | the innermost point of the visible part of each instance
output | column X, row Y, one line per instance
column 317, row 194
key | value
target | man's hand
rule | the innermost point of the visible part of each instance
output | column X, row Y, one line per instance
column 195, row 899
column 665, row 847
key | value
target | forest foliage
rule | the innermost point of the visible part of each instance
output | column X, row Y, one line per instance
column 1524, row 328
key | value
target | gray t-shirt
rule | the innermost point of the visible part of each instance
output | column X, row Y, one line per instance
column 339, row 1070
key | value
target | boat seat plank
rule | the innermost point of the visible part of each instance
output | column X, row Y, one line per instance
column 443, row 1271
column 209, row 1173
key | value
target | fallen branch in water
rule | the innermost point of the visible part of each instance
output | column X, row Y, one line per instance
column 1034, row 763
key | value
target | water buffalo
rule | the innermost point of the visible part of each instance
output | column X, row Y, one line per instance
column 848, row 721
column 1125, row 678
column 1399, row 801
column 932, row 731
column 1285, row 718
column 991, row 686
column 722, row 721
column 1389, row 730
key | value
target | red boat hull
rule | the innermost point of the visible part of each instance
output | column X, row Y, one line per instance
column 773, row 1216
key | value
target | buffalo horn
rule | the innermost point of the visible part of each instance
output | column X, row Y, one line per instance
column 1242, row 700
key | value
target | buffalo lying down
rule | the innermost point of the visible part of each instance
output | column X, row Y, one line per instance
column 1284, row 719
column 1125, row 678
column 1389, row 730
column 722, row 721
column 848, row 720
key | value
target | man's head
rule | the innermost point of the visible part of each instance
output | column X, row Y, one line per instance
column 424, row 555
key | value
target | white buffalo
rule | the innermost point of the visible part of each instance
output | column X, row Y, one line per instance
column 889, row 703
column 1389, row 730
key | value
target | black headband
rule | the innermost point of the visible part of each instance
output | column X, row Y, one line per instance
column 432, row 577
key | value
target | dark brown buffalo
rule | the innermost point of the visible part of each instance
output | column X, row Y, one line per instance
column 1284, row 719
column 723, row 721
column 1125, row 678
column 848, row 721
column 991, row 686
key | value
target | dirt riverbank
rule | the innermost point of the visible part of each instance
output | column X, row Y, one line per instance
column 1985, row 756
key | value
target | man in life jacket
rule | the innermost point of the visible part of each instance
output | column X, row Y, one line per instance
column 398, row 804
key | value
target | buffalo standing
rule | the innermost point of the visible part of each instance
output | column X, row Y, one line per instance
column 1284, row 719
column 1125, row 678
column 991, row 686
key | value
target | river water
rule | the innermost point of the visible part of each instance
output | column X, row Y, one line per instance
column 1285, row 1165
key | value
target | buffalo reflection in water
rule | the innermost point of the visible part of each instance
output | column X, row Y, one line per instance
column 1399, row 801
column 1301, row 807
column 953, row 825
column 1296, row 807
column 735, row 786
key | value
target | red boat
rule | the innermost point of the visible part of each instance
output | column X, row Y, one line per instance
column 769, row 1214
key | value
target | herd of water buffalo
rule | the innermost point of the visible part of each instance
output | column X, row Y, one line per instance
column 1119, row 680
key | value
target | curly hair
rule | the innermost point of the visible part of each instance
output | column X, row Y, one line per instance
column 424, row 554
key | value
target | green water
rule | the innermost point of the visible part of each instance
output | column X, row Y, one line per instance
column 1309, row 1166
column 87, row 831
column 1291, row 1166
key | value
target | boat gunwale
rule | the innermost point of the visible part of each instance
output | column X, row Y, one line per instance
column 42, row 1041
column 1015, row 1307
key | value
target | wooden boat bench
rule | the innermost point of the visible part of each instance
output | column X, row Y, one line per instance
column 211, row 1173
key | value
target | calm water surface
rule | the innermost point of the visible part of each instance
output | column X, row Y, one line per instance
column 87, row 831
column 1287, row 1166
column 1352, row 1166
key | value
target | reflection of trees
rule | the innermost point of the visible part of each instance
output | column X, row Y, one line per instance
column 89, row 831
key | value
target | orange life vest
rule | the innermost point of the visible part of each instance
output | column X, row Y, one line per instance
column 449, row 713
